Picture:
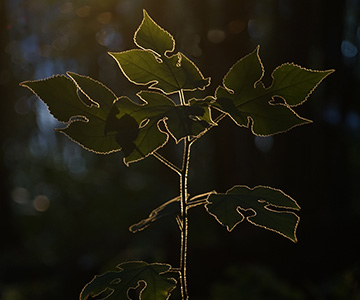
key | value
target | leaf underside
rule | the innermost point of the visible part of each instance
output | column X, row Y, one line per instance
column 250, row 104
column 269, row 207
column 116, row 284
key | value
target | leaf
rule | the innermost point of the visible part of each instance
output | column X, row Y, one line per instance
column 150, row 36
column 151, row 66
column 137, row 126
column 168, row 74
column 267, row 205
column 168, row 208
column 85, row 121
column 246, row 100
column 294, row 84
column 118, row 283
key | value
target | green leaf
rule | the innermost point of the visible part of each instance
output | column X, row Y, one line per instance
column 116, row 284
column 150, row 36
column 205, row 104
column 170, row 207
column 294, row 84
column 85, row 121
column 137, row 126
column 168, row 74
column 246, row 100
column 265, row 203
column 151, row 66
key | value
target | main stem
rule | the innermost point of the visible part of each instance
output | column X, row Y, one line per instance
column 184, row 218
column 183, row 210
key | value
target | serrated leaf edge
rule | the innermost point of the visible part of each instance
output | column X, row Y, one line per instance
column 250, row 120
column 146, row 284
column 144, row 103
column 61, row 130
column 127, row 292
column 146, row 15
column 330, row 71
column 248, row 218
column 24, row 84
column 152, row 83
column 94, row 80
column 257, row 50
column 164, row 119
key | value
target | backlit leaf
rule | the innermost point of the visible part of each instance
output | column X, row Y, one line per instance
column 150, row 36
column 151, row 66
column 116, row 284
column 168, row 74
column 137, row 126
column 85, row 121
column 250, row 104
column 266, row 205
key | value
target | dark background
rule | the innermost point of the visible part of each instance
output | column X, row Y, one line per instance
column 65, row 212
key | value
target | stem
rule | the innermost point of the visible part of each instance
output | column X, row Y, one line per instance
column 184, row 218
column 183, row 210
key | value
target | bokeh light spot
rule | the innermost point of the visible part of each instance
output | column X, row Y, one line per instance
column 353, row 120
column 348, row 49
column 20, row 195
column 332, row 114
column 83, row 11
column 264, row 144
column 66, row 8
column 41, row 203
column 104, row 18
column 216, row 36
column 236, row 26
column 22, row 106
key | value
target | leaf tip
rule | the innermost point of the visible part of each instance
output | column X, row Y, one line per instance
column 23, row 84
column 145, row 13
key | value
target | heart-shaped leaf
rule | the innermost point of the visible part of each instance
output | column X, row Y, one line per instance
column 85, row 121
column 267, row 205
column 116, row 284
column 246, row 100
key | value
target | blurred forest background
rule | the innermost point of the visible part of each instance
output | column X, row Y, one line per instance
column 65, row 212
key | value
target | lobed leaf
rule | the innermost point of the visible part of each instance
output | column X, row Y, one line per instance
column 85, row 121
column 250, row 104
column 137, row 126
column 116, row 284
column 267, row 205
column 151, row 66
